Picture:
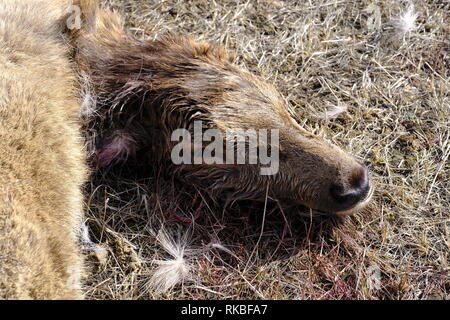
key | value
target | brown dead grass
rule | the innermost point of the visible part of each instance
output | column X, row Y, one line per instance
column 321, row 55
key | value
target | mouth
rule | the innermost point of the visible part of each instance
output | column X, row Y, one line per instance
column 359, row 205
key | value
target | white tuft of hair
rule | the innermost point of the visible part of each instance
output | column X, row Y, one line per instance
column 406, row 22
column 100, row 252
column 87, row 99
column 179, row 267
column 83, row 236
column 333, row 111
column 217, row 245
column 174, row 270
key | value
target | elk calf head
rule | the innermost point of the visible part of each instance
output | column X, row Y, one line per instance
column 147, row 89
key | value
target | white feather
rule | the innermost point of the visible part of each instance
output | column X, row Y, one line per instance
column 406, row 22
column 180, row 266
column 333, row 112
column 172, row 271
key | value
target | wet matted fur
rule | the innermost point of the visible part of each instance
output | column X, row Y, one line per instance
column 144, row 90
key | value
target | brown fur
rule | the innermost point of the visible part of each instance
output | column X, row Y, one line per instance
column 41, row 163
column 146, row 89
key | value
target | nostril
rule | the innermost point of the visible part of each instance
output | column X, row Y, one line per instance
column 336, row 192
column 359, row 187
column 360, row 178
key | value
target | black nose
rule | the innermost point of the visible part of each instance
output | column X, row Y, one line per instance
column 356, row 191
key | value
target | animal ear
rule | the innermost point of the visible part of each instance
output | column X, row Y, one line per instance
column 89, row 9
column 207, row 49
column 83, row 11
column 190, row 47
column 97, row 25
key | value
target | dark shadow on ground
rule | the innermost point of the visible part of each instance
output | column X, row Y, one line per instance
column 131, row 200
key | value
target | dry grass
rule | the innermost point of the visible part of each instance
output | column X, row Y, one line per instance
column 376, row 86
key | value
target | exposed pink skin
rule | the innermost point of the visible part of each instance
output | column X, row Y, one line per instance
column 118, row 148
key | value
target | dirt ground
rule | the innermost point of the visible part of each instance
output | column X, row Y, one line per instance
column 372, row 77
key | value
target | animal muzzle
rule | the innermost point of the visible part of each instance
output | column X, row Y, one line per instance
column 355, row 195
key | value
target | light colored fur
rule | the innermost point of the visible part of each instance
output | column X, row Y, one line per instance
column 41, row 161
